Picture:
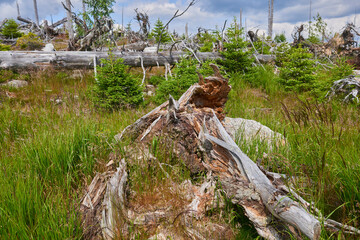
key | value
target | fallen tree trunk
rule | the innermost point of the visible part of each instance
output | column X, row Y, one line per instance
column 85, row 60
column 193, row 127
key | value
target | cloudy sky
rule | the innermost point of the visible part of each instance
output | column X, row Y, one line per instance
column 207, row 13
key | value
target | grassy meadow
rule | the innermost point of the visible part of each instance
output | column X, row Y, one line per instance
column 53, row 141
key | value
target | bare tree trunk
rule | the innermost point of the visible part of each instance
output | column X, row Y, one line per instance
column 69, row 21
column 271, row 18
column 36, row 13
column 241, row 25
column 17, row 7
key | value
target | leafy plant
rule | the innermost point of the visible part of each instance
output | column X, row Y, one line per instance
column 156, row 32
column 115, row 88
column 236, row 56
column 10, row 29
column 29, row 41
column 318, row 30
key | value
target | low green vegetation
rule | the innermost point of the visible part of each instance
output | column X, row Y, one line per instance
column 29, row 41
column 4, row 47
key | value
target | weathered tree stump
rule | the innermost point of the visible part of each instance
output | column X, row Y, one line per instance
column 193, row 126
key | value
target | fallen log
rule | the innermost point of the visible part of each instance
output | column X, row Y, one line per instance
column 193, row 127
column 85, row 60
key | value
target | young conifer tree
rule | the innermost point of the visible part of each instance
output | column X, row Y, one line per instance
column 156, row 32
column 10, row 29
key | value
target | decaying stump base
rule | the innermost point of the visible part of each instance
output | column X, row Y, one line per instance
column 193, row 127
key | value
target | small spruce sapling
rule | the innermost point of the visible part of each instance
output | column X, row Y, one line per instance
column 236, row 56
column 156, row 32
column 10, row 29
column 115, row 87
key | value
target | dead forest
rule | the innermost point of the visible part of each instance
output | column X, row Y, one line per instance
column 113, row 133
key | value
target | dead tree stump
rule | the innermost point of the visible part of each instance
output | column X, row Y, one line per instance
column 193, row 126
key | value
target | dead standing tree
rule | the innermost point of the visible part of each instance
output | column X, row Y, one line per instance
column 176, row 14
column 297, row 35
column 143, row 19
column 271, row 18
column 36, row 13
column 69, row 22
column 348, row 36
column 86, row 43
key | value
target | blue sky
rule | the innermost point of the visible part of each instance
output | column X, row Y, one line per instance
column 208, row 13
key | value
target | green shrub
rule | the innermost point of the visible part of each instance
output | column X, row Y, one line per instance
column 184, row 75
column 30, row 41
column 10, row 29
column 297, row 71
column 115, row 88
column 156, row 80
column 236, row 56
column 4, row 47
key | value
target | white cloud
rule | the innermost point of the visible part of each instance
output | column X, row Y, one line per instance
column 7, row 10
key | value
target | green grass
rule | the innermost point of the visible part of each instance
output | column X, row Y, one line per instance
column 49, row 152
